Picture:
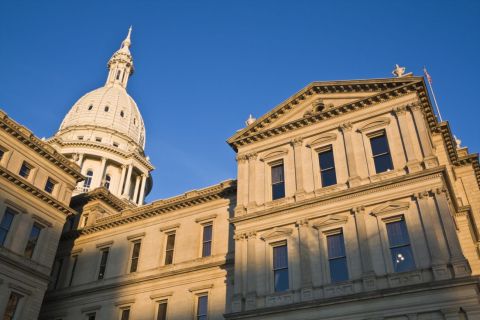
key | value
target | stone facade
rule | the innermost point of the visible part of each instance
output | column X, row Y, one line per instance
column 351, row 202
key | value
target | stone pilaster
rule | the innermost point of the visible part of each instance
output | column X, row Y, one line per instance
column 126, row 191
column 368, row 274
column 353, row 177
column 252, row 159
column 413, row 164
column 297, row 144
column 242, row 184
column 305, row 263
column 122, row 179
column 429, row 160
column 251, row 298
column 238, row 297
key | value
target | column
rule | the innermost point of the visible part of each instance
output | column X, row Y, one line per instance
column 126, row 191
column 458, row 261
column 80, row 160
column 367, row 266
column 305, row 263
column 102, row 171
column 434, row 237
column 242, row 184
column 418, row 117
column 137, row 187
column 141, row 199
column 413, row 164
column 297, row 144
column 251, row 300
column 353, row 177
column 122, row 179
column 237, row 303
column 252, row 158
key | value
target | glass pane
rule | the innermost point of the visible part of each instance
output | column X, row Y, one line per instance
column 169, row 257
column 32, row 241
column 207, row 233
column 383, row 163
column 329, row 178
column 326, row 159
column 134, row 265
column 162, row 311
column 278, row 191
column 206, row 249
column 5, row 225
column 338, row 269
column 336, row 246
column 379, row 145
column 281, row 280
column 125, row 314
column 170, row 241
column 397, row 233
column 277, row 174
column 136, row 250
column 202, row 306
column 402, row 259
column 11, row 306
column 280, row 257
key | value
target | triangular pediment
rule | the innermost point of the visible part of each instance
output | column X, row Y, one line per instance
column 389, row 207
column 276, row 233
column 318, row 98
column 330, row 220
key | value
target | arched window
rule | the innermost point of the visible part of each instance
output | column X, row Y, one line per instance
column 106, row 108
column 122, row 113
column 90, row 107
column 106, row 184
column 88, row 180
column 118, row 74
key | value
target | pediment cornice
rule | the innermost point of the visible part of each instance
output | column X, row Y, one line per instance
column 276, row 233
column 390, row 207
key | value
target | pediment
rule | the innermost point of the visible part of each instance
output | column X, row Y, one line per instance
column 377, row 123
column 276, row 233
column 390, row 207
column 333, row 95
column 322, row 139
column 330, row 220
column 274, row 155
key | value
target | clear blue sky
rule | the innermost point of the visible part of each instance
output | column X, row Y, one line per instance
column 203, row 66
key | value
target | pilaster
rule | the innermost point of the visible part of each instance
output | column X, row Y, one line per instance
column 353, row 177
column 413, row 164
column 252, row 159
column 429, row 160
column 305, row 250
column 297, row 144
column 368, row 274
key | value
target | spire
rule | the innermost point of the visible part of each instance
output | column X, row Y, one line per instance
column 121, row 64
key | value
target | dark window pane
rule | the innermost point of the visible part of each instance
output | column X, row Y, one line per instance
column 125, row 314
column 5, row 225
column 381, row 153
column 329, row 177
column 336, row 246
column 1, row 154
column 32, row 240
column 280, row 257
column 207, row 233
column 88, row 179
column 277, row 173
column 135, row 256
column 397, row 233
column 402, row 259
column 202, row 307
column 379, row 144
column 338, row 269
column 103, row 264
column 383, row 163
column 91, row 316
column 11, row 306
column 74, row 266
column 326, row 159
column 57, row 269
column 170, row 248
column 278, row 191
column 207, row 249
column 24, row 170
column 280, row 268
column 162, row 311
column 281, row 280
column 207, row 241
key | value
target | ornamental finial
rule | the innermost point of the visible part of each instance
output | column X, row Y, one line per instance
column 399, row 72
column 127, row 42
column 250, row 120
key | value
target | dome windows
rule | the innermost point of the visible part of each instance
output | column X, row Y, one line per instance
column 135, row 121
column 106, row 108
column 90, row 107
column 122, row 114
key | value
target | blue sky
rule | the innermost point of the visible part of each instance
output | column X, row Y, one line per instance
column 203, row 66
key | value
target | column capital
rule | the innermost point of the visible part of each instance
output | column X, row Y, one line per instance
column 414, row 106
column 252, row 156
column 241, row 158
column 358, row 210
column 422, row 195
column 401, row 110
column 346, row 127
column 240, row 236
column 297, row 142
column 302, row 223
column 251, row 235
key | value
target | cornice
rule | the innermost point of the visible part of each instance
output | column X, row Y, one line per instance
column 186, row 200
column 39, row 194
column 391, row 90
column 25, row 136
column 104, row 195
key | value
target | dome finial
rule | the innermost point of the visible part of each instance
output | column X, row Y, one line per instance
column 127, row 42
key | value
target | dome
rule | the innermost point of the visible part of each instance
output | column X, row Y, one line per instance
column 110, row 107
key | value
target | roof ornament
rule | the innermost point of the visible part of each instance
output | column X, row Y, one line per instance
column 458, row 142
column 399, row 72
column 127, row 42
column 250, row 120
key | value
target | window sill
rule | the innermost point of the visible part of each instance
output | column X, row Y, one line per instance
column 387, row 175
column 330, row 189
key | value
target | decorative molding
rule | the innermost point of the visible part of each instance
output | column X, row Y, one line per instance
column 276, row 233
column 204, row 219
column 170, row 227
column 201, row 288
column 91, row 308
column 161, row 296
column 241, row 158
column 15, row 206
column 274, row 155
column 42, row 221
column 330, row 220
column 401, row 110
column 124, row 303
column 136, row 236
column 390, row 207
column 346, row 127
column 104, row 244
column 323, row 139
column 297, row 142
column 20, row 289
column 377, row 123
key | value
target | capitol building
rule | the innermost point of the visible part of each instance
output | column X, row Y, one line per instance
column 352, row 201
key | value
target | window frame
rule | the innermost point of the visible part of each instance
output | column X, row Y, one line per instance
column 72, row 269
column 203, row 226
column 392, row 219
column 34, row 252
column 319, row 151
column 273, row 164
column 376, row 134
column 17, row 311
column 99, row 275
column 166, row 250
column 30, row 170
column 198, row 296
column 89, row 179
column 53, row 188
column 273, row 245
column 157, row 308
column 132, row 251
column 6, row 241
column 334, row 232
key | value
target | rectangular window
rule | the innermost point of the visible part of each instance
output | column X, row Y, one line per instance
column 381, row 152
column 80, row 137
column 25, row 170
column 56, row 270
column 125, row 314
column 5, row 225
column 202, row 307
column 207, row 241
column 98, row 139
column 2, row 153
column 72, row 273
column 169, row 249
column 278, row 182
column 12, row 305
column 50, row 185
column 400, row 249
column 135, row 256
column 337, row 259
column 115, row 144
column 327, row 167
column 91, row 316
column 103, row 263
column 280, row 268
column 162, row 310
column 32, row 240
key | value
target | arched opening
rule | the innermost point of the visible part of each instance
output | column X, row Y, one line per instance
column 108, row 179
column 88, row 180
column 118, row 74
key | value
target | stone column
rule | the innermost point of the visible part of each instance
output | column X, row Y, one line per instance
column 141, row 199
column 237, row 303
column 368, row 274
column 80, row 160
column 242, row 184
column 102, row 171
column 413, row 164
column 305, row 263
column 458, row 261
column 297, row 144
column 430, row 160
column 122, row 179
column 126, row 191
column 353, row 177
column 251, row 299
column 136, row 189
column 252, row 158
column 434, row 234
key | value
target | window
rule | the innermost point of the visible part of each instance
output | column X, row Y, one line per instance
column 5, row 225
column 169, row 249
column 162, row 310
column 85, row 220
column 108, row 179
column 280, row 268
column 207, row 241
column 400, row 249
column 115, row 144
column 202, row 307
column 103, row 263
column 381, row 152
column 32, row 240
column 106, row 108
column 25, row 170
column 118, row 74
column 88, row 180
column 72, row 273
column 135, row 256
column 56, row 270
column 50, row 185
column 278, row 182
column 134, row 120
column 91, row 316
column 90, row 107
column 337, row 259
column 125, row 314
column 12, row 305
column 327, row 167
column 80, row 137
column 122, row 114
column 2, row 153
column 98, row 139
